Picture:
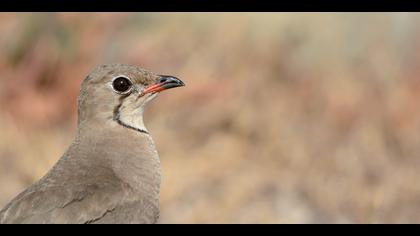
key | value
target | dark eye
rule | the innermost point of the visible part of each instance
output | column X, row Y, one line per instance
column 121, row 84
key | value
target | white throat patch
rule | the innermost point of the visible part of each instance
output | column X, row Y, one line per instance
column 134, row 119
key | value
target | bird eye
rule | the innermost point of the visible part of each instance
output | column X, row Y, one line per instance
column 121, row 84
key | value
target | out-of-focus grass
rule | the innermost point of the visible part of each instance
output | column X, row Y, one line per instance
column 286, row 118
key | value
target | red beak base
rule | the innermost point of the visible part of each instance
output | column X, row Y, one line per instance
column 165, row 82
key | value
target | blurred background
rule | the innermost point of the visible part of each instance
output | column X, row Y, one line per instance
column 286, row 117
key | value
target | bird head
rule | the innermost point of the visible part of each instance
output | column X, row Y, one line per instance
column 117, row 94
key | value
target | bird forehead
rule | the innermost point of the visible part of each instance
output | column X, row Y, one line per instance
column 105, row 73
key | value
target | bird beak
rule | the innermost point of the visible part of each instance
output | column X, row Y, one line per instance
column 164, row 82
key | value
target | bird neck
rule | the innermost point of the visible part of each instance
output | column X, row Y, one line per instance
column 130, row 154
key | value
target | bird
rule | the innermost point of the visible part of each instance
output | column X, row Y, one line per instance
column 110, row 174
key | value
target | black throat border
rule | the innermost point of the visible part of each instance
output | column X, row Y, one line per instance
column 116, row 117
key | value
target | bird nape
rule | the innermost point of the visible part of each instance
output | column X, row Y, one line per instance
column 111, row 172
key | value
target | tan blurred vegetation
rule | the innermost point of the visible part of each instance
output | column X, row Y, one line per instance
column 286, row 117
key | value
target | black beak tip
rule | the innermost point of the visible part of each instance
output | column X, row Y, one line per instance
column 168, row 79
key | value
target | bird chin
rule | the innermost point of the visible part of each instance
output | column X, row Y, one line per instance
column 151, row 97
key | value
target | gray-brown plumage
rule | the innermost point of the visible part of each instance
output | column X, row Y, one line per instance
column 111, row 172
